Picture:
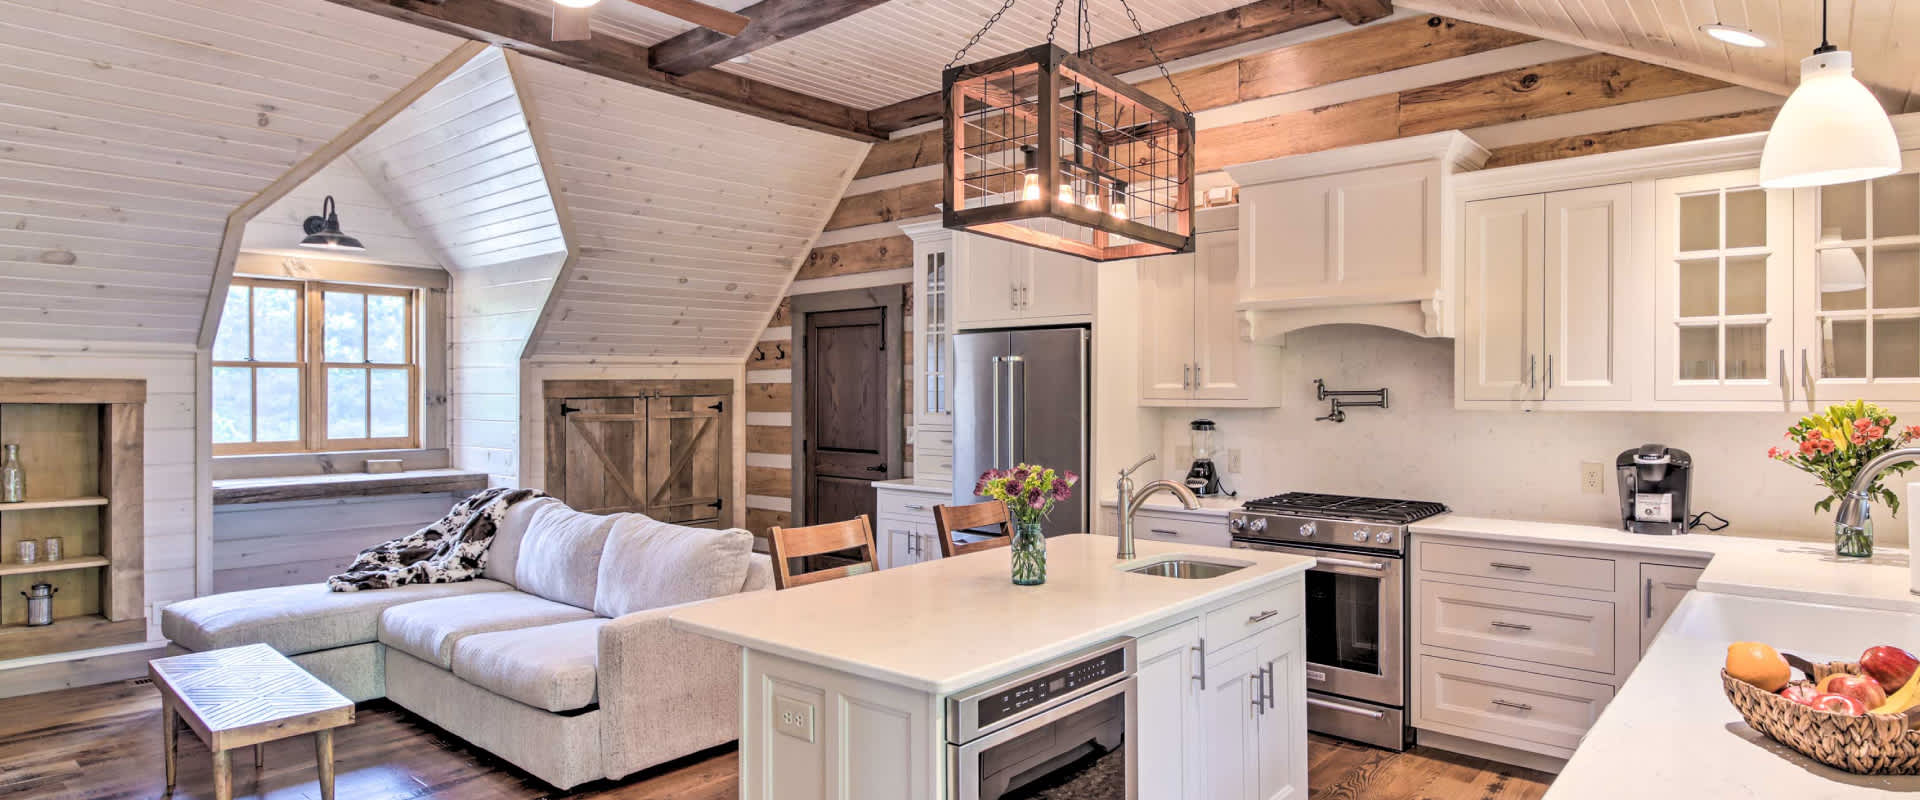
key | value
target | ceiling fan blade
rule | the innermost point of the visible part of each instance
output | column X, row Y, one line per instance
column 571, row 24
column 706, row 16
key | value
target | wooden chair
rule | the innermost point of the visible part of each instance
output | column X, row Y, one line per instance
column 791, row 543
column 977, row 515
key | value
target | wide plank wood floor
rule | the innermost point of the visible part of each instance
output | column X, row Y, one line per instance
column 103, row 742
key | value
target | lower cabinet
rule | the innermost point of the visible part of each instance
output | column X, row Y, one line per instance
column 1169, row 664
column 1662, row 587
column 902, row 541
column 1251, row 708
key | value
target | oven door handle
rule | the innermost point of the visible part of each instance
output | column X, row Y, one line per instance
column 963, row 760
column 1345, row 709
column 1376, row 566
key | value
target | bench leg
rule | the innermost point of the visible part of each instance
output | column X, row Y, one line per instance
column 323, row 750
column 169, row 737
column 223, row 775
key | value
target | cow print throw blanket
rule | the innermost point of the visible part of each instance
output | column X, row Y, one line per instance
column 449, row 551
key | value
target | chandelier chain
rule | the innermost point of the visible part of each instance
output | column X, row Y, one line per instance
column 1157, row 60
column 983, row 32
column 1053, row 28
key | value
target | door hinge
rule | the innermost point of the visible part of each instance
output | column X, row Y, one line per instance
column 719, row 407
column 567, row 409
column 719, row 504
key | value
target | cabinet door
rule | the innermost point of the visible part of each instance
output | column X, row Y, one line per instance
column 933, row 329
column 1661, row 589
column 1501, row 291
column 1230, row 723
column 1857, row 289
column 1056, row 285
column 1362, row 232
column 1166, row 327
column 1283, row 725
column 1222, row 361
column 895, row 542
column 1588, row 237
column 1169, row 692
column 1723, row 299
column 987, row 278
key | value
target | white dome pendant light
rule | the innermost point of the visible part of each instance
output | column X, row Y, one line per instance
column 1831, row 129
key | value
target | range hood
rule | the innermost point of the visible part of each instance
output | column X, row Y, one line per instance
column 1358, row 235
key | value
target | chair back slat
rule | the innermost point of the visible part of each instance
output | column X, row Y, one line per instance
column 832, row 537
column 976, row 515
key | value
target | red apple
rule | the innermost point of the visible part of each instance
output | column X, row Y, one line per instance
column 1891, row 666
column 1802, row 693
column 1864, row 690
column 1838, row 704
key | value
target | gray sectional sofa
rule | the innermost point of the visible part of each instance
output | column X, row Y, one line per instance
column 560, row 660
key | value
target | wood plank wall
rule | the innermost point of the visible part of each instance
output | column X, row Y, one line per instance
column 1406, row 75
column 491, row 312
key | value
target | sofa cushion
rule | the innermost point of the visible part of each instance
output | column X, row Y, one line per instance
column 559, row 557
column 553, row 667
column 430, row 629
column 503, row 555
column 650, row 564
column 297, row 619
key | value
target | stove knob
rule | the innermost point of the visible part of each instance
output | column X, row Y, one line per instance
column 1257, row 526
column 1384, row 537
column 1307, row 529
column 1236, row 525
column 1362, row 535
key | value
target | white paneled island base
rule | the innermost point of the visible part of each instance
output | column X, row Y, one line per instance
column 845, row 684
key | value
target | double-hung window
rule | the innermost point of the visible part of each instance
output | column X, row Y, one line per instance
column 312, row 366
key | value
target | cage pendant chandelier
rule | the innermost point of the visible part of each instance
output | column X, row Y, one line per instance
column 1045, row 149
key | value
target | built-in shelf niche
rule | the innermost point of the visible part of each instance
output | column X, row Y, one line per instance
column 82, row 446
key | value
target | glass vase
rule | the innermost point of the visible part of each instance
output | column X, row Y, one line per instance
column 1029, row 554
column 1851, row 542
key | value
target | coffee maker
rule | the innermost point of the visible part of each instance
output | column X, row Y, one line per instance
column 1203, row 477
column 1655, row 481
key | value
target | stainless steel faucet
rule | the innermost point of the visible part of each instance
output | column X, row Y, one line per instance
column 1855, row 508
column 1129, row 503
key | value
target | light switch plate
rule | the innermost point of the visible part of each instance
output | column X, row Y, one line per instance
column 793, row 718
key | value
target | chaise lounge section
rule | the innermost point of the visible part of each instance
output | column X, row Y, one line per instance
column 559, row 659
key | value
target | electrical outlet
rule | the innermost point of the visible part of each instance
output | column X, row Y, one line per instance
column 1593, row 477
column 1233, row 460
column 793, row 718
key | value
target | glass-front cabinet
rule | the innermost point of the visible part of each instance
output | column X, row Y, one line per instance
column 934, row 288
column 1724, row 305
column 1857, row 276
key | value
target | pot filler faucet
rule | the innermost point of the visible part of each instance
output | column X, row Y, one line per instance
column 1130, row 503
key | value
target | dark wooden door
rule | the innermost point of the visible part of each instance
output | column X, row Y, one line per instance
column 845, row 428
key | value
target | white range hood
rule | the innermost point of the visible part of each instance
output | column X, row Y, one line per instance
column 1362, row 234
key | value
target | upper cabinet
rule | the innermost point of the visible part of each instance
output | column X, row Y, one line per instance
column 933, row 287
column 1003, row 284
column 1191, row 350
column 1857, row 308
column 1723, row 289
column 1362, row 234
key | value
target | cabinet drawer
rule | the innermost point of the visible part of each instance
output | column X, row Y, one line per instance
column 1249, row 616
column 1534, row 708
column 1209, row 531
column 1519, row 566
column 931, row 466
column 933, row 441
column 911, row 505
column 1545, row 629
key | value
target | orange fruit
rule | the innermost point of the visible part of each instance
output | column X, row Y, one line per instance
column 1758, row 664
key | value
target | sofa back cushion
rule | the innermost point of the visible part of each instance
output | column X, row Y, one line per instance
column 559, row 557
column 652, row 564
column 503, row 556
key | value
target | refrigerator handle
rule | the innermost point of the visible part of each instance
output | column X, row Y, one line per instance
column 1016, row 411
column 994, row 461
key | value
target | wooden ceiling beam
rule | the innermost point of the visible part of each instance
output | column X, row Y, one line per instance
column 1360, row 12
column 525, row 31
column 770, row 21
column 1256, row 20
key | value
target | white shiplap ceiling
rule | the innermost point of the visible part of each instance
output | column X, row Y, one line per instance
column 1884, row 35
column 896, row 50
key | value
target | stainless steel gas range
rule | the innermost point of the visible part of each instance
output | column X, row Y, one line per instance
column 1356, row 616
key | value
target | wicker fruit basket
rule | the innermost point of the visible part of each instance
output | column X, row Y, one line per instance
column 1872, row 744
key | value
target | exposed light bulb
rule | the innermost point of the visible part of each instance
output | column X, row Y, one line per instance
column 1092, row 202
column 1066, row 193
column 1032, row 189
column 1119, row 207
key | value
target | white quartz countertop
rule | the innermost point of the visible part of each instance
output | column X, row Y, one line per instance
column 1670, row 732
column 1779, row 569
column 944, row 625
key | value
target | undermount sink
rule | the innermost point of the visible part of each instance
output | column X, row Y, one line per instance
column 1189, row 568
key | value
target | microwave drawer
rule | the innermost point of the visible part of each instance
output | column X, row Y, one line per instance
column 1522, row 705
column 1251, row 615
column 1545, row 629
column 1518, row 566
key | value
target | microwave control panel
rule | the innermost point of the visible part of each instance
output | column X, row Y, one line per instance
column 1062, row 682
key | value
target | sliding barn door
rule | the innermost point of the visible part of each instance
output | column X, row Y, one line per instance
column 668, row 457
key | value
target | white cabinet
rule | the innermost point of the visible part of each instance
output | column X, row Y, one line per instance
column 1191, row 351
column 999, row 283
column 1857, row 289
column 903, row 528
column 1663, row 586
column 1544, row 288
column 1170, row 742
column 934, row 285
column 1251, row 709
column 1723, row 279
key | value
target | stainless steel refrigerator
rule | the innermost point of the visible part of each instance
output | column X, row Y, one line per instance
column 1021, row 397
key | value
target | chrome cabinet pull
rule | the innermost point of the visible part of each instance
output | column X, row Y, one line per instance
column 1186, row 376
column 1549, row 372
column 1512, row 626
column 1263, row 616
column 1510, row 704
column 1503, row 565
column 1200, row 651
column 1786, row 382
column 916, row 507
column 1345, row 709
column 1533, row 371
column 1806, row 375
column 1196, row 376
column 1269, row 691
column 1649, row 602
column 1259, row 697
column 1163, row 531
column 1347, row 562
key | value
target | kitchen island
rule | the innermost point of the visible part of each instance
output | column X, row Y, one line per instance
column 845, row 685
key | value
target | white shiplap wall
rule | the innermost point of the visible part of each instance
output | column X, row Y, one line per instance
column 688, row 220
column 491, row 312
column 462, row 168
column 129, row 129
column 364, row 213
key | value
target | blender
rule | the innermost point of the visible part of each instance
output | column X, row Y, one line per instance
column 1203, row 477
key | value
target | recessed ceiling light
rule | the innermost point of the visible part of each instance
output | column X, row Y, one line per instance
column 1738, row 37
column 577, row 3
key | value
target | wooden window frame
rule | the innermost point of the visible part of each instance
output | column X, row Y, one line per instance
column 310, row 303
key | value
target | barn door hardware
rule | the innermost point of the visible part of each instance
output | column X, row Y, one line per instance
column 567, row 409
column 718, row 407
column 1337, row 402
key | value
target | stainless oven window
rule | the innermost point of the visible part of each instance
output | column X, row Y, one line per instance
column 1343, row 621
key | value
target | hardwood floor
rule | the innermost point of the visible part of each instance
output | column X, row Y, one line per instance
column 103, row 743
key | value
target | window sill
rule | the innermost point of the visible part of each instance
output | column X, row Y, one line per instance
column 317, row 465
column 250, row 491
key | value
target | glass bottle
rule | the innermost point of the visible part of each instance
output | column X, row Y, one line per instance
column 13, row 482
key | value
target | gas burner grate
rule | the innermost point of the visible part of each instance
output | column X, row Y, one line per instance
column 1368, row 509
